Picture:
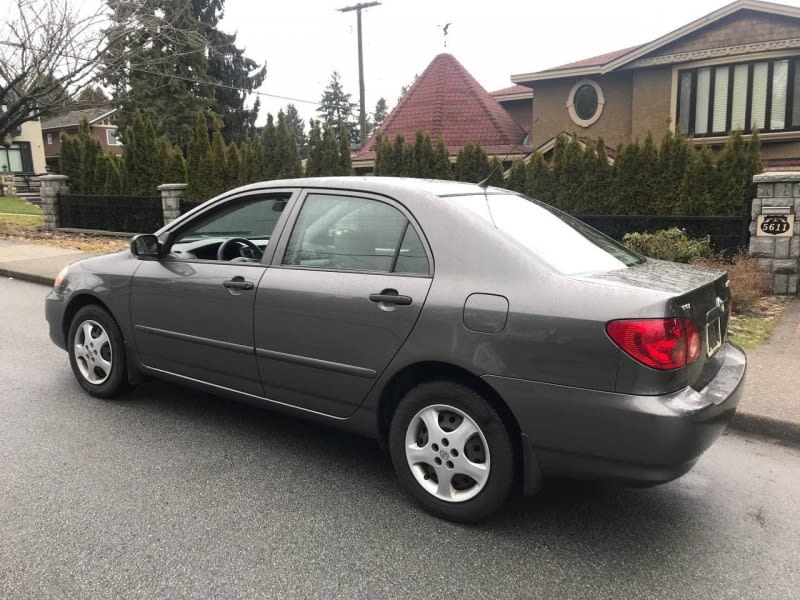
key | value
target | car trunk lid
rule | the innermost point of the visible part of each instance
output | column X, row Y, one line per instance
column 690, row 291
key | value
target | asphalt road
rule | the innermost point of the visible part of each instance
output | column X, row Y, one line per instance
column 175, row 494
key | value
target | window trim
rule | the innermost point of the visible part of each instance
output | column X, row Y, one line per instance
column 293, row 217
column 770, row 59
column 601, row 101
column 108, row 138
column 168, row 236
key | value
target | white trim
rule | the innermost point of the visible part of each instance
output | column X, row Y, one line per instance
column 517, row 96
column 724, row 53
column 777, row 136
column 755, row 5
column 49, row 139
column 639, row 52
column 673, row 101
column 556, row 74
column 738, row 59
column 601, row 101
column 715, row 62
column 103, row 116
column 108, row 138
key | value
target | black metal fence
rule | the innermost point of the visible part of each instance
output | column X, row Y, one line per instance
column 127, row 214
column 728, row 234
column 187, row 205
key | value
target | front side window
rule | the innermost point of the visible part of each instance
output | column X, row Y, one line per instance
column 762, row 94
column 349, row 233
column 250, row 221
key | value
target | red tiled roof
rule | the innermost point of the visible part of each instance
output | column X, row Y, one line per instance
column 600, row 59
column 446, row 101
column 514, row 89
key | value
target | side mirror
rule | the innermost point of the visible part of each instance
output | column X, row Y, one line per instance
column 145, row 245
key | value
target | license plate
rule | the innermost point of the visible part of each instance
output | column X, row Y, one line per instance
column 713, row 337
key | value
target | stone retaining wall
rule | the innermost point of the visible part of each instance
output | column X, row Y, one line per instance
column 778, row 193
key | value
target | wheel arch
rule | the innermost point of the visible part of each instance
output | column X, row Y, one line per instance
column 412, row 375
column 77, row 302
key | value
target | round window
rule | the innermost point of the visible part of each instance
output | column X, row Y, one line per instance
column 585, row 102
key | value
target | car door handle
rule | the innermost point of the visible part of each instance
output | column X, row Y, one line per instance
column 390, row 297
column 238, row 283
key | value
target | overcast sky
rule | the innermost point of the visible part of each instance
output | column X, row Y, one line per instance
column 304, row 41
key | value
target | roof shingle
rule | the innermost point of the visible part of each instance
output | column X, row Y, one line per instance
column 73, row 117
column 446, row 101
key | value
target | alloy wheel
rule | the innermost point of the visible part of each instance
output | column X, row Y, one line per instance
column 447, row 453
column 92, row 350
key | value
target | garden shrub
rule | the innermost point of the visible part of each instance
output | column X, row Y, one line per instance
column 669, row 244
column 748, row 283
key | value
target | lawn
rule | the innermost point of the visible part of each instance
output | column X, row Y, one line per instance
column 753, row 329
column 25, row 227
column 17, row 206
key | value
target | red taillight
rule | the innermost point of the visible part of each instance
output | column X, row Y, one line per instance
column 662, row 344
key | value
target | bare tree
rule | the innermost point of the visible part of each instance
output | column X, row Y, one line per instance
column 52, row 50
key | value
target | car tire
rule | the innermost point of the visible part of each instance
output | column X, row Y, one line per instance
column 470, row 451
column 97, row 352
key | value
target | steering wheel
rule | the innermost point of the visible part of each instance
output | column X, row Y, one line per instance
column 243, row 243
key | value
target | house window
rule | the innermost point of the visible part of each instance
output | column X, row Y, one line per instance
column 585, row 102
column 16, row 158
column 716, row 100
column 49, row 139
column 112, row 138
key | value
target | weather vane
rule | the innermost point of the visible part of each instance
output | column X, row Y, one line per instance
column 444, row 29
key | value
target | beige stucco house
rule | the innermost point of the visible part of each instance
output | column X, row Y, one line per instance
column 22, row 153
column 736, row 68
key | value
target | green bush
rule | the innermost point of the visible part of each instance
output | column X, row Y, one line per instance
column 669, row 244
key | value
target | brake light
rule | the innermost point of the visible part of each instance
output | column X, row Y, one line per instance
column 662, row 344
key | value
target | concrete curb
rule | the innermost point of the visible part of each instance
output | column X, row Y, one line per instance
column 785, row 431
column 41, row 279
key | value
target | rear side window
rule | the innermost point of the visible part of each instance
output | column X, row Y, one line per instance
column 563, row 242
column 350, row 233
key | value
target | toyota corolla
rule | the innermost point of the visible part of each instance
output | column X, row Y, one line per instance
column 486, row 339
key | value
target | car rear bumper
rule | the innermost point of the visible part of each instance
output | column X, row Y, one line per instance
column 644, row 439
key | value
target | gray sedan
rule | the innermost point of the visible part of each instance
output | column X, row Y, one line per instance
column 488, row 340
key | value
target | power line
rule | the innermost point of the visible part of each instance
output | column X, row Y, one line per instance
column 220, row 85
column 173, row 76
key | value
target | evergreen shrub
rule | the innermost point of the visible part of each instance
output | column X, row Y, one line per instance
column 669, row 244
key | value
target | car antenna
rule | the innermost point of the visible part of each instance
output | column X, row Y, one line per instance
column 485, row 183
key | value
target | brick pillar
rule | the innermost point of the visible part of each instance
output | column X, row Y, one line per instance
column 52, row 185
column 777, row 201
column 171, row 196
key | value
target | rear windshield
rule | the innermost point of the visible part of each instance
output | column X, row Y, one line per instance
column 563, row 242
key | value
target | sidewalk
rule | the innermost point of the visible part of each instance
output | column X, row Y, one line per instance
column 771, row 401
column 770, row 404
column 35, row 262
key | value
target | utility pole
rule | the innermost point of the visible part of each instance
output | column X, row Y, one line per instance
column 363, row 114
